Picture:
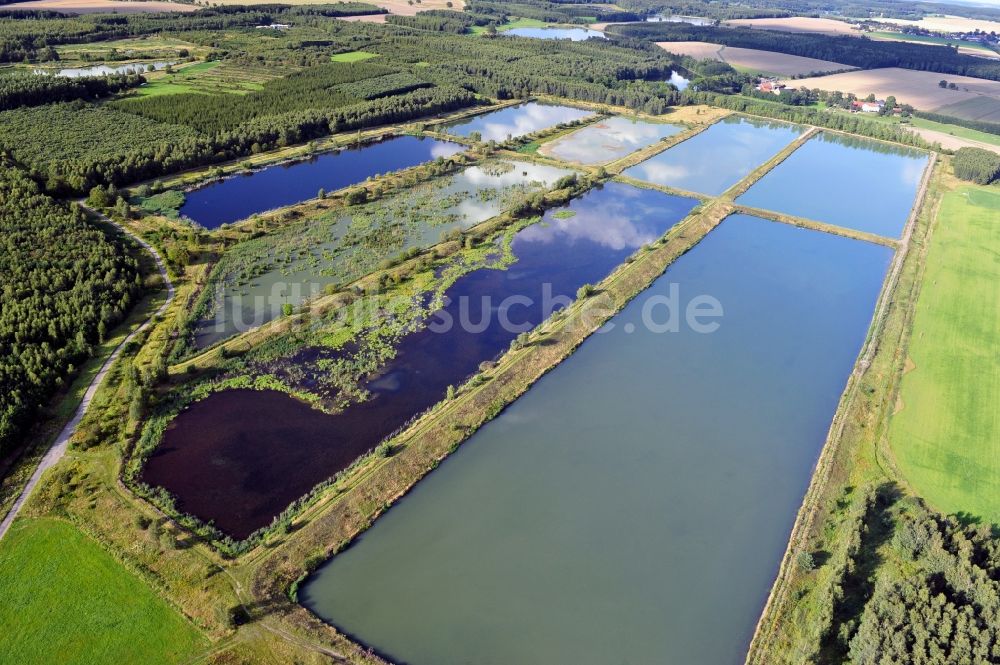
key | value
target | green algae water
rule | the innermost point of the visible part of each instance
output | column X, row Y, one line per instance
column 633, row 506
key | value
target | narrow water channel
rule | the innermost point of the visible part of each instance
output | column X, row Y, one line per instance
column 241, row 470
column 633, row 506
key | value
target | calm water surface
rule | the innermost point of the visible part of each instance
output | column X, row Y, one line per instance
column 106, row 70
column 239, row 197
column 515, row 121
column 633, row 506
column 608, row 139
column 716, row 159
column 573, row 34
column 848, row 181
column 240, row 468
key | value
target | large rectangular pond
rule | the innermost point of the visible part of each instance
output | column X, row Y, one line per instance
column 237, row 198
column 256, row 278
column 633, row 506
column 844, row 180
column 515, row 121
column 716, row 159
column 609, row 139
column 239, row 458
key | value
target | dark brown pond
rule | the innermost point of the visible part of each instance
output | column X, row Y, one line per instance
column 239, row 458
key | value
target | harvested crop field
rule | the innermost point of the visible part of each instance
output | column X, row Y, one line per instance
column 974, row 99
column 100, row 6
column 951, row 141
column 401, row 7
column 826, row 26
column 948, row 24
column 748, row 58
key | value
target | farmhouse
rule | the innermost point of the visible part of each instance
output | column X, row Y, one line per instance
column 868, row 107
column 770, row 85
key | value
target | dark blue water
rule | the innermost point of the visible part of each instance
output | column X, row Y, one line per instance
column 633, row 506
column 239, row 197
column 233, row 464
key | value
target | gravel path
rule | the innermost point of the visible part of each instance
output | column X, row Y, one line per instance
column 61, row 443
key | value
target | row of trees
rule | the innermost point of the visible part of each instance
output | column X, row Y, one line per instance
column 24, row 89
column 65, row 284
column 853, row 124
column 977, row 165
column 854, row 51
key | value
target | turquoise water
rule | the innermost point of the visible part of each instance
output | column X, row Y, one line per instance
column 847, row 181
column 573, row 34
column 716, row 159
column 515, row 121
column 633, row 506
column 609, row 139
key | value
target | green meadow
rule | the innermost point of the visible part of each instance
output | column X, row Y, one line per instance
column 66, row 600
column 946, row 430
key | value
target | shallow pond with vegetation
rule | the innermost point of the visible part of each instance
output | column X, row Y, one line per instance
column 844, row 180
column 609, row 139
column 241, row 196
column 241, row 471
column 716, row 159
column 633, row 506
column 515, row 121
column 255, row 279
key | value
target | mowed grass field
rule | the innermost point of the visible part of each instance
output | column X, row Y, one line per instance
column 945, row 433
column 63, row 599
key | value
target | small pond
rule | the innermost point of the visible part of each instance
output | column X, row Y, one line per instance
column 607, row 140
column 105, row 70
column 573, row 34
column 241, row 196
column 716, row 159
column 514, row 121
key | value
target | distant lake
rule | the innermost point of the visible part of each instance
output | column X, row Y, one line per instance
column 633, row 506
column 105, row 70
column 609, row 139
column 241, row 196
column 573, row 34
column 716, row 159
column 677, row 18
column 515, row 121
column 848, row 181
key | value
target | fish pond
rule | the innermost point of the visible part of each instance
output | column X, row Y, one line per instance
column 105, row 70
column 241, row 196
column 572, row 34
column 717, row 158
column 515, row 121
column 227, row 458
column 607, row 140
column 844, row 180
column 633, row 506
column 254, row 280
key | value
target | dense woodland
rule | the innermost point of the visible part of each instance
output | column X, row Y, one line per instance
column 27, row 89
column 977, row 165
column 916, row 587
column 66, row 283
column 854, row 51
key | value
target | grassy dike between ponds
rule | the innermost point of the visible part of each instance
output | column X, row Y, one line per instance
column 799, row 610
column 345, row 512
